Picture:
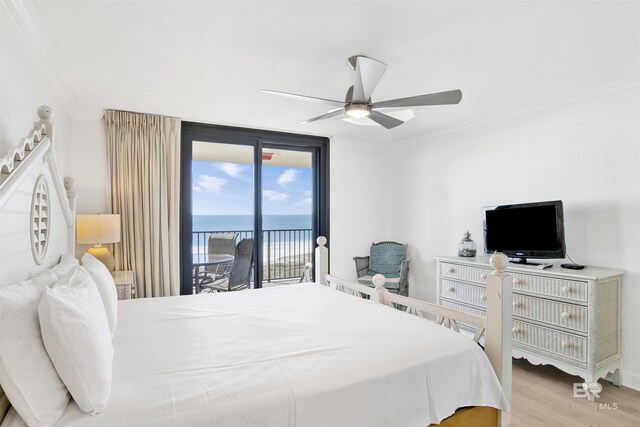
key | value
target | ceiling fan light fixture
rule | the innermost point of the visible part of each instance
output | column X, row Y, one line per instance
column 357, row 101
column 357, row 111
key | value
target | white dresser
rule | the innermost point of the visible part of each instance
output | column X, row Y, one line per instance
column 566, row 318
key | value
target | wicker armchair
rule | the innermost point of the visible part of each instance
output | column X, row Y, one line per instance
column 390, row 260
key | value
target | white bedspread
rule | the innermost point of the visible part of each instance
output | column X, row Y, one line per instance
column 299, row 355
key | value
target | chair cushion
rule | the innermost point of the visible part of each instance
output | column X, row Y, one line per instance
column 386, row 260
column 390, row 283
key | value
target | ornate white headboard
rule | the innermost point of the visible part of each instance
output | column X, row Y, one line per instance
column 37, row 206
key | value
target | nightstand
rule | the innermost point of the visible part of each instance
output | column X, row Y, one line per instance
column 125, row 284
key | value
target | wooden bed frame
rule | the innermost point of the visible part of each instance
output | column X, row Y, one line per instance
column 31, row 183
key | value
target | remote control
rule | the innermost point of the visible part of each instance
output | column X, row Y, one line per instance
column 544, row 266
column 572, row 266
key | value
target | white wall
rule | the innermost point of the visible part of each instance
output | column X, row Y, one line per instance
column 358, row 192
column 25, row 84
column 586, row 154
column 88, row 165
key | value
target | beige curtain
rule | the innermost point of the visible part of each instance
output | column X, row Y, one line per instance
column 144, row 165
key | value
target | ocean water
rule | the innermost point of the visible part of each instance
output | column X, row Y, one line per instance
column 278, row 244
column 245, row 222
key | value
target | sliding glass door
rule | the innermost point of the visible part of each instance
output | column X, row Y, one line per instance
column 287, row 214
column 268, row 190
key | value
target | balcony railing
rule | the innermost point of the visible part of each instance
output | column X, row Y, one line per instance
column 285, row 252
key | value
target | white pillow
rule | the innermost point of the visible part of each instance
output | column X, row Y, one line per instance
column 26, row 373
column 106, row 286
column 76, row 335
column 67, row 262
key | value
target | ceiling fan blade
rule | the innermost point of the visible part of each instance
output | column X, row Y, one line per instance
column 440, row 98
column 332, row 113
column 349, row 97
column 368, row 74
column 384, row 120
column 331, row 102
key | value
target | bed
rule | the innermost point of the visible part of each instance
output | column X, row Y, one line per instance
column 316, row 354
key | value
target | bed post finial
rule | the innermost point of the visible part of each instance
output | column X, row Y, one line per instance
column 45, row 113
column 46, row 118
column 380, row 291
column 499, row 262
column 498, row 333
column 322, row 261
column 378, row 281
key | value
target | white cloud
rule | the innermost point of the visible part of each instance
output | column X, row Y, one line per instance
column 288, row 176
column 231, row 169
column 307, row 199
column 274, row 196
column 303, row 207
column 211, row 184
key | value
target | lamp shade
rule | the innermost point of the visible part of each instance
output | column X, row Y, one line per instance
column 103, row 228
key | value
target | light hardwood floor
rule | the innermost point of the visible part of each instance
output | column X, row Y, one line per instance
column 543, row 396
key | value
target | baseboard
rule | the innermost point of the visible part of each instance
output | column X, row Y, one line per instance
column 631, row 380
column 628, row 380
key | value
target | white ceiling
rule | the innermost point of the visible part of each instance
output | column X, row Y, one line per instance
column 206, row 61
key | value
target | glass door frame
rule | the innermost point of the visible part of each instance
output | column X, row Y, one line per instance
column 258, row 139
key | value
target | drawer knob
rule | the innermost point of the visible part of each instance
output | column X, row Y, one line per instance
column 565, row 315
column 565, row 344
column 483, row 297
column 516, row 304
column 519, row 281
column 484, row 276
column 516, row 330
column 566, row 289
column 451, row 289
column 451, row 270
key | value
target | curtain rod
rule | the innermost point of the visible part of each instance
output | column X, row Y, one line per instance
column 139, row 112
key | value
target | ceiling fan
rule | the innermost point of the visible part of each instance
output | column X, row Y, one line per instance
column 357, row 103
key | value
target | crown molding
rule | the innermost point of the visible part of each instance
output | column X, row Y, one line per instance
column 593, row 94
column 28, row 21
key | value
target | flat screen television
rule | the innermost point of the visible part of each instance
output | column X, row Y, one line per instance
column 526, row 230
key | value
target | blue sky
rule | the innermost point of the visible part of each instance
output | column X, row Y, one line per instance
column 227, row 189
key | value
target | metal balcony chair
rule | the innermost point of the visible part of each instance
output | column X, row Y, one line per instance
column 389, row 259
column 219, row 244
column 240, row 275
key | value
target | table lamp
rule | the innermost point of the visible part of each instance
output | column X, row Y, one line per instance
column 96, row 230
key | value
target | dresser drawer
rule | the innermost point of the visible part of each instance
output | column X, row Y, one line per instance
column 555, row 313
column 532, row 337
column 464, row 272
column 464, row 292
column 549, row 286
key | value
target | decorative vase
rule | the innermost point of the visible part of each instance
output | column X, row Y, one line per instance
column 467, row 247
